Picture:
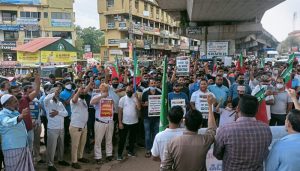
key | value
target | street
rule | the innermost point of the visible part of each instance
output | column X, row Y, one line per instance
column 139, row 163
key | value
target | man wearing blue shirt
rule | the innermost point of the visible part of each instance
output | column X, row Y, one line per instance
column 14, row 135
column 219, row 90
column 240, row 81
column 177, row 95
column 285, row 153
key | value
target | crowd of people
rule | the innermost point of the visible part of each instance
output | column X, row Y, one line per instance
column 81, row 111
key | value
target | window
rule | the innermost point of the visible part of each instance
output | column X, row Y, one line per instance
column 25, row 14
column 109, row 3
column 61, row 15
column 157, row 13
column 145, row 6
column 11, row 35
column 45, row 14
column 62, row 34
column 9, row 15
column 32, row 34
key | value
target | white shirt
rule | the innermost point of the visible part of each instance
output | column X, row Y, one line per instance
column 56, row 122
column 226, row 116
column 130, row 115
column 200, row 100
column 162, row 139
column 80, row 113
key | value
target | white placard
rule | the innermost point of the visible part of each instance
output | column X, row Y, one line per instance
column 227, row 61
column 154, row 105
column 179, row 102
column 217, row 49
column 183, row 66
column 203, row 108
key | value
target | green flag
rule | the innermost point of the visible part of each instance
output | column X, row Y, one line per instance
column 286, row 74
column 241, row 60
column 116, row 64
column 164, row 107
column 260, row 95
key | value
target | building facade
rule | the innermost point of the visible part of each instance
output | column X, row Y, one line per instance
column 22, row 21
column 155, row 33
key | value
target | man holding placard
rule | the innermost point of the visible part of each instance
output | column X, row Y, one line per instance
column 104, row 125
column 178, row 98
column 151, row 101
column 199, row 100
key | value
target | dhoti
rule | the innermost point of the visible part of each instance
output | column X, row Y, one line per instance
column 18, row 159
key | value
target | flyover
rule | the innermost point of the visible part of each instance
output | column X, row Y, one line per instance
column 221, row 19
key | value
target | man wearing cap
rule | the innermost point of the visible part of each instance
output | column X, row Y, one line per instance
column 17, row 155
column 233, row 88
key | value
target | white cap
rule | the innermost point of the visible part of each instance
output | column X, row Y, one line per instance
column 5, row 97
column 241, row 88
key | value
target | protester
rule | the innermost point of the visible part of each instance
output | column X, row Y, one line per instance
column 56, row 113
column 151, row 123
column 177, row 96
column 233, row 88
column 29, row 93
column 282, row 104
column 188, row 151
column 17, row 155
column 219, row 90
column 175, row 116
column 243, row 145
column 104, row 125
column 128, row 121
column 78, row 129
column 199, row 101
column 65, row 97
column 285, row 153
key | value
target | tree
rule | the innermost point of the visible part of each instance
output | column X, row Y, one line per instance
column 288, row 43
column 89, row 36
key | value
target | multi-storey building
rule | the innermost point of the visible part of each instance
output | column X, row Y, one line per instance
column 155, row 33
column 24, row 20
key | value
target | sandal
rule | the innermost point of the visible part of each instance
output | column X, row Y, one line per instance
column 148, row 154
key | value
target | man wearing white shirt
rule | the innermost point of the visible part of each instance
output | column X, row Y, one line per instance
column 199, row 100
column 128, row 121
column 104, row 125
column 56, row 113
column 161, row 139
column 78, row 125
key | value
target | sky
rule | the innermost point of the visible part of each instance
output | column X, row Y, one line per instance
column 278, row 21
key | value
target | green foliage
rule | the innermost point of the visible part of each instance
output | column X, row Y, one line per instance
column 288, row 43
column 89, row 36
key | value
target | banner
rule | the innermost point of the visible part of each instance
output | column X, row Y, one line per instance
column 47, row 57
column 154, row 105
column 183, row 66
column 58, row 56
column 217, row 49
column 179, row 102
column 106, row 108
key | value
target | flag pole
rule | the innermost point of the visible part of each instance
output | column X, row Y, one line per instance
column 135, row 69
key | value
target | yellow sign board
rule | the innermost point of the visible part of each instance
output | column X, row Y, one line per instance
column 47, row 57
